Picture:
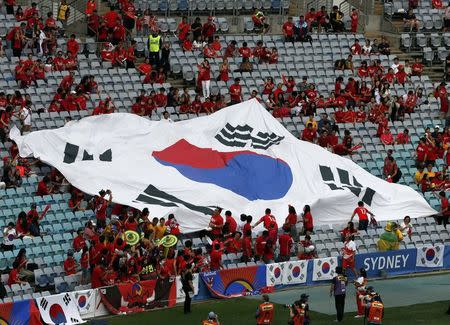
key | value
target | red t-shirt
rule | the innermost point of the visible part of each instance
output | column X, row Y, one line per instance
column 84, row 260
column 216, row 258
column 308, row 221
column 232, row 225
column 97, row 276
column 362, row 213
column 260, row 244
column 100, row 210
column 245, row 52
column 268, row 219
column 69, row 266
column 13, row 277
column 235, row 93
column 42, row 189
column 247, row 246
column 285, row 241
column 78, row 243
column 422, row 151
column 218, row 221
column 288, row 29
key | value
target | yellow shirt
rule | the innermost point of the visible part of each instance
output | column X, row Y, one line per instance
column 431, row 174
column 418, row 176
column 314, row 123
column 160, row 231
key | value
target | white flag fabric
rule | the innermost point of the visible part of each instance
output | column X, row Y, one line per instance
column 274, row 274
column 295, row 272
column 85, row 301
column 430, row 256
column 59, row 309
column 180, row 292
column 324, row 268
column 240, row 158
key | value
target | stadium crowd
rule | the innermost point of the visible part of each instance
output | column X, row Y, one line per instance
column 106, row 257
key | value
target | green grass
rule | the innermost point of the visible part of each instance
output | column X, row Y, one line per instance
column 242, row 311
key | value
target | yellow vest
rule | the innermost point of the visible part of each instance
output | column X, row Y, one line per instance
column 153, row 44
column 62, row 12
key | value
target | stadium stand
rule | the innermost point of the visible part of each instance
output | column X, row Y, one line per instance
column 314, row 59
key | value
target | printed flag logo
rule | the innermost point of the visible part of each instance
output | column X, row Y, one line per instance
column 245, row 173
column 241, row 136
column 71, row 153
column 344, row 182
column 57, row 315
column 324, row 268
column 430, row 256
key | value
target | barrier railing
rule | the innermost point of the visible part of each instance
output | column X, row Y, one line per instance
column 255, row 279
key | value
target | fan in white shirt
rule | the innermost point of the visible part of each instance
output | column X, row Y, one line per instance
column 395, row 65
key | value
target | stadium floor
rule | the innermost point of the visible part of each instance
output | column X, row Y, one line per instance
column 396, row 292
column 427, row 298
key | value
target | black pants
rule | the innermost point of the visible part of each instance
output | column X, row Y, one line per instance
column 7, row 247
column 154, row 58
column 187, row 301
column 363, row 224
column 442, row 220
column 9, row 10
column 340, row 305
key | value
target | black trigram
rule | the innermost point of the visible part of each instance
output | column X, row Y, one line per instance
column 67, row 299
column 71, row 153
column 241, row 135
column 44, row 303
column 155, row 196
column 74, row 320
column 345, row 182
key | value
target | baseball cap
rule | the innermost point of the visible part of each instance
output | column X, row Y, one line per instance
column 304, row 296
column 212, row 315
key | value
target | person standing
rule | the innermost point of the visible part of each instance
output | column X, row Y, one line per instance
column 204, row 78
column 154, row 45
column 442, row 217
column 291, row 222
column 264, row 313
column 308, row 224
column 338, row 289
column 188, row 287
column 362, row 213
column 348, row 254
column 360, row 286
column 63, row 13
column 216, row 224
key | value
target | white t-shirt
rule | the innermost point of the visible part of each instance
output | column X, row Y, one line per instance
column 8, row 236
column 404, row 227
column 395, row 67
column 25, row 116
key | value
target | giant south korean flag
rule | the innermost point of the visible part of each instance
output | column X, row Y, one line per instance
column 240, row 158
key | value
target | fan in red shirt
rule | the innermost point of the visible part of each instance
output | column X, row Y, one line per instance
column 216, row 258
column 286, row 242
column 260, row 244
column 101, row 204
column 417, row 67
column 401, row 75
column 403, row 137
column 70, row 265
column 267, row 220
column 245, row 51
column 356, row 49
column 216, row 224
column 354, row 16
column 230, row 224
column 97, row 276
column 309, row 133
column 209, row 28
column 234, row 244
column 288, row 30
column 111, row 18
column 311, row 18
column 161, row 98
column 308, row 222
column 441, row 93
column 421, row 152
column 67, row 82
column 236, row 91
column 14, row 274
column 183, row 29
column 44, row 187
column 247, row 252
column 72, row 45
column 362, row 213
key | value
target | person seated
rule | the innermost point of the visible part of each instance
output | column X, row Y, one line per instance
column 384, row 47
column 306, row 249
column 410, row 21
column 336, row 20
